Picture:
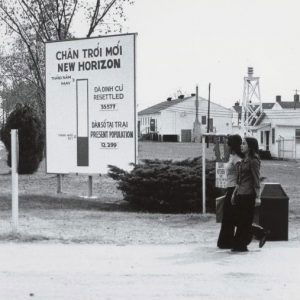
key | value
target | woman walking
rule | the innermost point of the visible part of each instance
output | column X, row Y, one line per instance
column 225, row 240
column 245, row 195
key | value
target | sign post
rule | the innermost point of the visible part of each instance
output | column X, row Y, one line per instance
column 203, row 176
column 90, row 193
column 59, row 183
column 14, row 179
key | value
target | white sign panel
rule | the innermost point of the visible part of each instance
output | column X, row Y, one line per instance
column 221, row 175
column 90, row 104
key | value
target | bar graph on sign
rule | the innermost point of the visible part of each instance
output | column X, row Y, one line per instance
column 82, row 111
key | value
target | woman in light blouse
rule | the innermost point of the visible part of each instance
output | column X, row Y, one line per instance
column 225, row 240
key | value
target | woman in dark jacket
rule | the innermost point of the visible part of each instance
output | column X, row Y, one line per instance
column 245, row 195
column 225, row 240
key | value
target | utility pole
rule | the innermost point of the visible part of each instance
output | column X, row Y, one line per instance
column 197, row 105
column 208, row 115
column 197, row 125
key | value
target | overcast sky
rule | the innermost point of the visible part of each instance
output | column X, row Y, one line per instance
column 182, row 43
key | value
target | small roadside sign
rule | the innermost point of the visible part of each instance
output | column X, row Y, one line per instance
column 221, row 175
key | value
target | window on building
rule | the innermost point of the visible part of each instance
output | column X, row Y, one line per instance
column 273, row 135
column 203, row 120
column 261, row 137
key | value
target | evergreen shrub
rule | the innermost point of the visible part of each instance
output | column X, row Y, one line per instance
column 167, row 186
column 31, row 137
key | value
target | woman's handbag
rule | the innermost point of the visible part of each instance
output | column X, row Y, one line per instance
column 219, row 208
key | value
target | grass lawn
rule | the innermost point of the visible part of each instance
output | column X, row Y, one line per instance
column 70, row 217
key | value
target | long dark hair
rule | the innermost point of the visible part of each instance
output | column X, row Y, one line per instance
column 252, row 146
column 234, row 143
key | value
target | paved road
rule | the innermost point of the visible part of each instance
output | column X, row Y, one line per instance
column 58, row 271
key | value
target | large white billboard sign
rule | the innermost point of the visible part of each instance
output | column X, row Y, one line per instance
column 90, row 104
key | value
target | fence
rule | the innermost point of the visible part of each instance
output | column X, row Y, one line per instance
column 287, row 148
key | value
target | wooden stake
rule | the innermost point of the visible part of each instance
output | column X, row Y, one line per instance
column 14, row 179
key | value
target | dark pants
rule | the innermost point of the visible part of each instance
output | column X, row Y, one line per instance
column 244, row 214
column 226, row 234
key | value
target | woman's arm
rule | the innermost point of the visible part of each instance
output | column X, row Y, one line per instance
column 255, row 170
column 233, row 196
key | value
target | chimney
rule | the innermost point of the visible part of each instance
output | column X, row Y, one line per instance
column 296, row 98
column 169, row 99
column 236, row 104
column 278, row 98
column 181, row 97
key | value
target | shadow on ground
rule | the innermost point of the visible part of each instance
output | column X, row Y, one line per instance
column 28, row 202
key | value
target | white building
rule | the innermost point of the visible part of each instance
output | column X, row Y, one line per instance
column 174, row 119
column 279, row 128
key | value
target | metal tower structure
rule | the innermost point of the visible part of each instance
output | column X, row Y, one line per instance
column 252, row 109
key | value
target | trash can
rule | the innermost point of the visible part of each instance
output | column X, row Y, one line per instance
column 274, row 211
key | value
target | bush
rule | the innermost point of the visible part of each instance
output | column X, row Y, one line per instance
column 31, row 138
column 167, row 186
column 265, row 154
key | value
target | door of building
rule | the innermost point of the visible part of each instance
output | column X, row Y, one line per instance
column 152, row 125
column 186, row 135
column 267, row 140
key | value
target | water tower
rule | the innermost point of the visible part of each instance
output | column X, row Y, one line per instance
column 252, row 109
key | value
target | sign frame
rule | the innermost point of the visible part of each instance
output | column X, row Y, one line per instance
column 81, row 144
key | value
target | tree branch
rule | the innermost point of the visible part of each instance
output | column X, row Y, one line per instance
column 29, row 13
column 97, row 21
column 43, row 9
column 71, row 17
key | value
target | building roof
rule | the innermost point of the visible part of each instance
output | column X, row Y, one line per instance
column 289, row 104
column 163, row 105
column 269, row 105
column 265, row 105
column 260, row 118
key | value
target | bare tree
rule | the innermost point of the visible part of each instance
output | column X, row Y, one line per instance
column 32, row 23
